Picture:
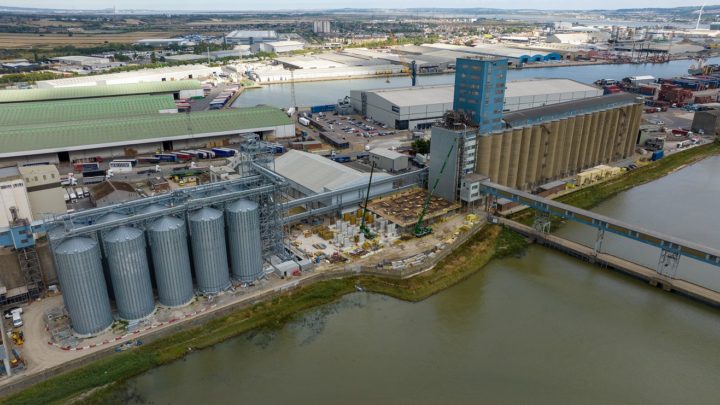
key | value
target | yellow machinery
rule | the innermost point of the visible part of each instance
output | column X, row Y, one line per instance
column 17, row 337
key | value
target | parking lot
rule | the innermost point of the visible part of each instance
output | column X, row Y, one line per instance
column 362, row 134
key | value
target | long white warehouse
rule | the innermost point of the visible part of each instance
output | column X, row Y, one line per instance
column 167, row 74
column 419, row 107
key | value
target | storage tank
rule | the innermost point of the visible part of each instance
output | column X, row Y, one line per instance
column 243, row 220
column 167, row 238
column 80, row 272
column 129, row 271
column 207, row 231
column 113, row 216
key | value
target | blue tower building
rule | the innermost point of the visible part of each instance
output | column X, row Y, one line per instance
column 480, row 91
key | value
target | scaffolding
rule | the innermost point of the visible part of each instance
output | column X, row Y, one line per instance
column 31, row 270
column 257, row 183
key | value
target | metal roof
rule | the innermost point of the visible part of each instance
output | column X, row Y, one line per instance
column 12, row 114
column 63, row 93
column 317, row 173
column 79, row 135
column 387, row 153
column 443, row 94
column 561, row 110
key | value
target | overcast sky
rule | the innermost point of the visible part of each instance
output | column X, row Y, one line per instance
column 241, row 5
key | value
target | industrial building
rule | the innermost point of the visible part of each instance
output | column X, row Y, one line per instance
column 186, row 57
column 164, row 42
column 45, row 194
column 560, row 140
column 322, row 27
column 532, row 146
column 706, row 122
column 275, row 74
column 14, row 200
column 173, row 73
column 480, row 91
column 388, row 160
column 131, row 135
column 83, row 62
column 277, row 46
column 421, row 106
column 514, row 56
column 245, row 37
column 313, row 174
column 179, row 89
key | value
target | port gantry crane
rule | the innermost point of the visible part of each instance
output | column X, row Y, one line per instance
column 421, row 230
column 363, row 226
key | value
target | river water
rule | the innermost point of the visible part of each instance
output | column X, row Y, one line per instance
column 541, row 328
column 328, row 92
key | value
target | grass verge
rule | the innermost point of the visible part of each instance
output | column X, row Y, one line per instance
column 101, row 381
column 590, row 197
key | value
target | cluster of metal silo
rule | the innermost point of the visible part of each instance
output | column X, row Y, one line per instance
column 124, row 260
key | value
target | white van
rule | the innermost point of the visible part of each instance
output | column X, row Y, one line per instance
column 17, row 319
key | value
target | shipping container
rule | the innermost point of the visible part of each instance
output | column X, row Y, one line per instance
column 224, row 152
column 82, row 167
column 148, row 160
column 120, row 166
column 341, row 158
column 166, row 157
column 210, row 154
column 304, row 121
column 183, row 157
column 657, row 155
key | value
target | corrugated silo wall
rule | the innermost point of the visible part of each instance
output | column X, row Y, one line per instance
column 516, row 140
column 483, row 155
column 597, row 138
column 552, row 144
column 566, row 146
column 576, row 141
column 524, row 157
column 590, row 121
column 619, row 144
column 505, row 157
column 618, row 122
column 610, row 130
column 633, row 129
column 495, row 156
column 536, row 148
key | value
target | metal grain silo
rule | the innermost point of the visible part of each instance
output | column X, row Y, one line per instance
column 113, row 216
column 167, row 238
column 127, row 261
column 80, row 272
column 243, row 219
column 207, row 231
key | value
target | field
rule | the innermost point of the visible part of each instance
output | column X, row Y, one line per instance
column 20, row 41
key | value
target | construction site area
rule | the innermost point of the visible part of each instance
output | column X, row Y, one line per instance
column 404, row 209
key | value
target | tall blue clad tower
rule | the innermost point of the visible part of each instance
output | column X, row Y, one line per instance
column 480, row 91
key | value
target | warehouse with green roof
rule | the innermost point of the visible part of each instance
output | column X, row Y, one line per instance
column 179, row 89
column 121, row 127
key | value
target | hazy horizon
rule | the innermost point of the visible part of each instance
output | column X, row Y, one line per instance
column 319, row 5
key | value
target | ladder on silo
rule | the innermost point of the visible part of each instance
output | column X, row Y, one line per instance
column 31, row 270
